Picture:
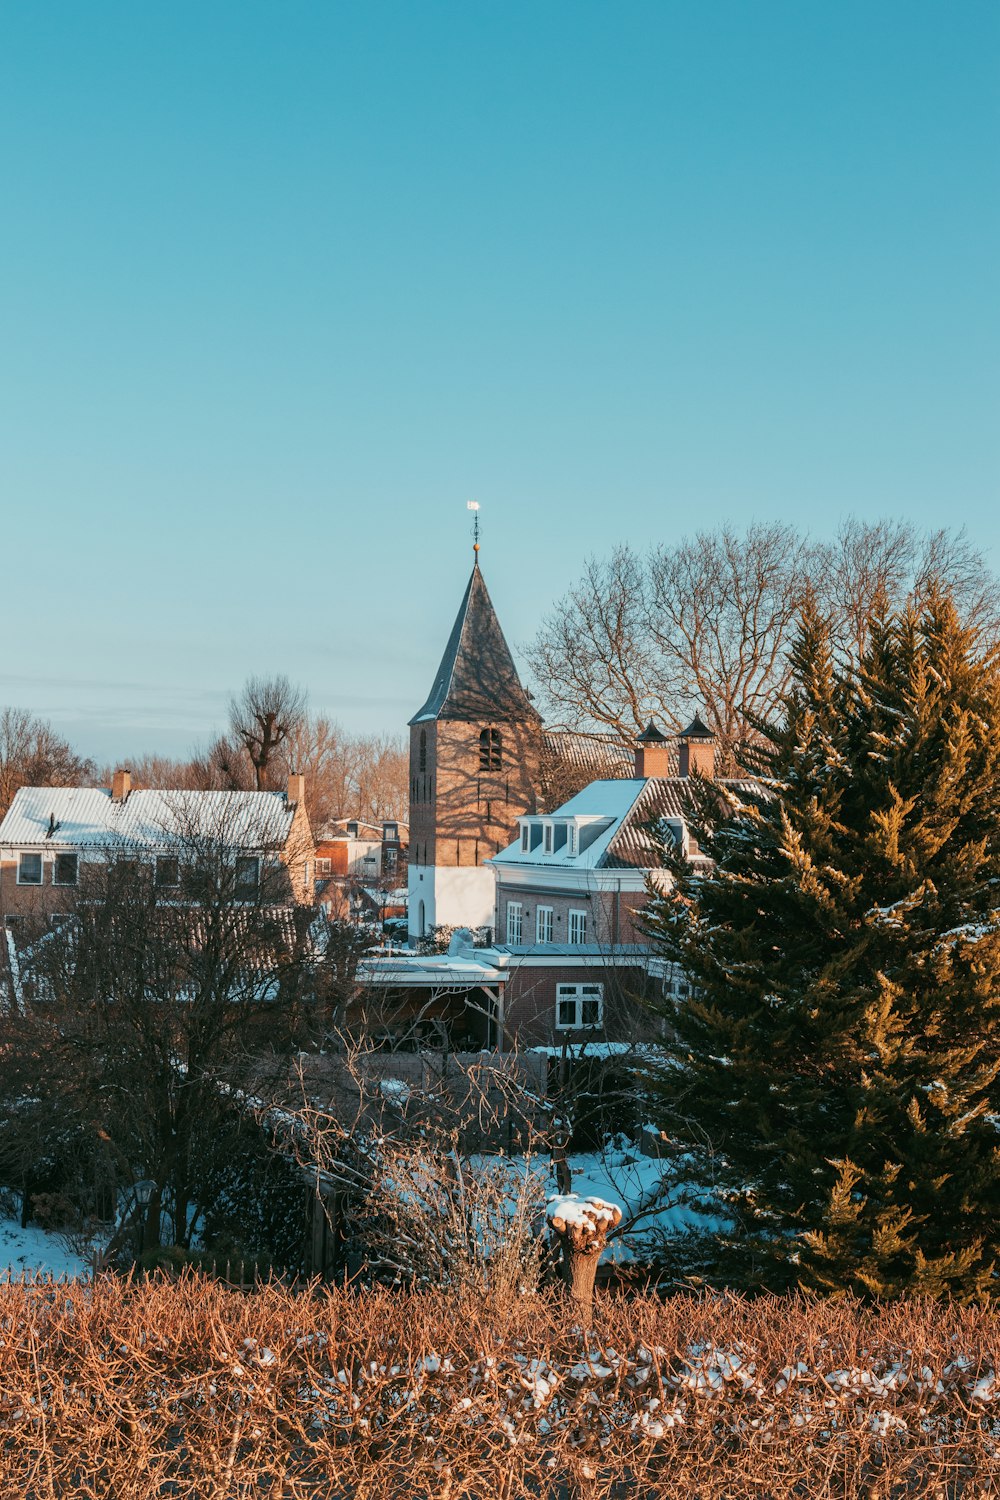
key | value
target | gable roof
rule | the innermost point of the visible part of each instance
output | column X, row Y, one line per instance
column 89, row 817
column 477, row 678
column 620, row 813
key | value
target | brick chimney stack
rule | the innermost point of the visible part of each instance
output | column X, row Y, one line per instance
column 697, row 749
column 296, row 787
column 652, row 753
column 121, row 785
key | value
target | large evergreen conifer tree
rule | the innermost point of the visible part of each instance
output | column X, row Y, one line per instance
column 837, row 1073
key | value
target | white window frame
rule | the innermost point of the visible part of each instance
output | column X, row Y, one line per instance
column 547, row 838
column 579, row 995
column 544, row 918
column 525, row 837
column 576, row 928
column 24, row 854
column 66, row 854
column 515, row 922
column 322, row 868
column 571, row 839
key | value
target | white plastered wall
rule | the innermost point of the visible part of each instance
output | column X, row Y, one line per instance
column 452, row 896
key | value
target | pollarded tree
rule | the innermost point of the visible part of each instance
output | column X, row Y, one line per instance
column 840, row 1060
column 266, row 712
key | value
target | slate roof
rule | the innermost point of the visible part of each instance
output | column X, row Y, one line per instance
column 477, row 678
column 87, row 816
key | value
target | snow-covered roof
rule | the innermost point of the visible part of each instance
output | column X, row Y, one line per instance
column 612, row 821
column 435, row 970
column 597, row 812
column 82, row 817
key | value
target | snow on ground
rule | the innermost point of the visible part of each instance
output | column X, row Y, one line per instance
column 621, row 1174
column 35, row 1249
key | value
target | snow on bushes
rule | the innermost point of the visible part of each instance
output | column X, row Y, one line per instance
column 160, row 1387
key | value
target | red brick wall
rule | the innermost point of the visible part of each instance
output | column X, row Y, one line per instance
column 530, row 1002
column 461, row 814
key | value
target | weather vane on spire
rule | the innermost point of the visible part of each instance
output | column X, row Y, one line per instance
column 473, row 505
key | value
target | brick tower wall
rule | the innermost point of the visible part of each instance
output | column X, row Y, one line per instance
column 461, row 813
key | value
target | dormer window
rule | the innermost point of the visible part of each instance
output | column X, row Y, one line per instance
column 352, row 830
column 571, row 839
column 674, row 832
column 547, row 843
column 525, row 837
column 490, row 750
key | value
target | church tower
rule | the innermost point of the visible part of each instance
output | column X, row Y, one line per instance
column 474, row 757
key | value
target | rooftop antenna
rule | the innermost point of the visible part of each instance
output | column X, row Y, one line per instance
column 473, row 505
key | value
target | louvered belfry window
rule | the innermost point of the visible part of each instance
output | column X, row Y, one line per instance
column 490, row 750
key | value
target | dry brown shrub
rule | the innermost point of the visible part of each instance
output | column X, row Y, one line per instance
column 136, row 1389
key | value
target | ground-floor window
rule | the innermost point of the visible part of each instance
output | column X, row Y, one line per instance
column 579, row 1006
column 676, row 984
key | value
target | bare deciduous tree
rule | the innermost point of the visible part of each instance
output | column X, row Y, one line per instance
column 720, row 608
column 262, row 716
column 151, row 1000
column 704, row 624
column 32, row 754
column 893, row 561
column 381, row 778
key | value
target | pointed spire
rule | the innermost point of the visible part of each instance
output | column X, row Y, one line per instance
column 477, row 678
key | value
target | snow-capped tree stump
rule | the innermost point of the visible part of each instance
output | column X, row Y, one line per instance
column 582, row 1226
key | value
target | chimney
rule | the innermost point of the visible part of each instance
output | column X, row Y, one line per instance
column 121, row 785
column 697, row 749
column 296, row 787
column 652, row 753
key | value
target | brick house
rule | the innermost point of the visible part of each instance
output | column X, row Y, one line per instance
column 350, row 848
column 51, row 835
column 571, row 888
column 570, row 960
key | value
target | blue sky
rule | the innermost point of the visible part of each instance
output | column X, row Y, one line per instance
column 283, row 285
